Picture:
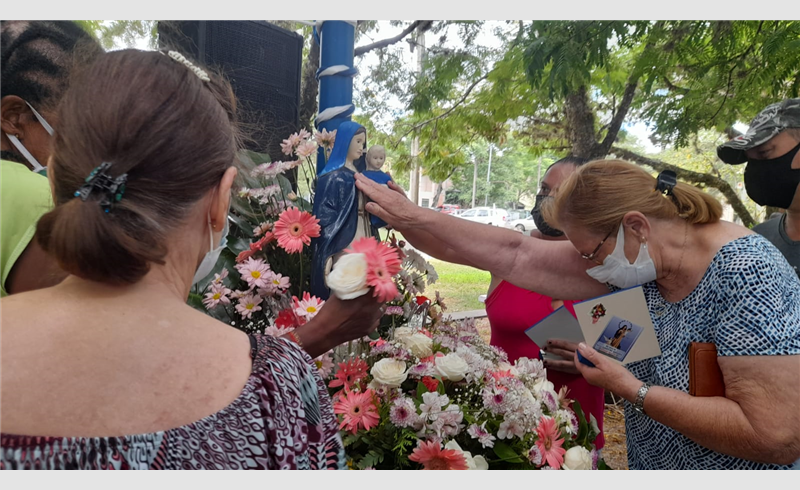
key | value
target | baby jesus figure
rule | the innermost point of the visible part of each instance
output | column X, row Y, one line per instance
column 376, row 157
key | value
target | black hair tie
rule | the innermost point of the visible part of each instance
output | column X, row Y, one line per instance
column 666, row 182
column 111, row 188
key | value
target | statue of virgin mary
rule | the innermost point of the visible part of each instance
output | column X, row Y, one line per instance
column 339, row 205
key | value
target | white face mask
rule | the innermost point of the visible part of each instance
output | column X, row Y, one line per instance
column 37, row 167
column 617, row 271
column 210, row 259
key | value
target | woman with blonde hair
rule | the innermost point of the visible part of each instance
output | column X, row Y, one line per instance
column 704, row 280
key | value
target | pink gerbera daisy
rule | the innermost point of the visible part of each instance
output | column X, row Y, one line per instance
column 432, row 457
column 254, row 272
column 295, row 228
column 248, row 305
column 308, row 307
column 349, row 373
column 358, row 411
column 264, row 241
column 382, row 264
column 549, row 444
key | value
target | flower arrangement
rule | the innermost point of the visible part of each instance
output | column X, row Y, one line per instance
column 260, row 283
column 422, row 392
column 441, row 398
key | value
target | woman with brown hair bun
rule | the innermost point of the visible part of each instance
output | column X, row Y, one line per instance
column 111, row 368
column 704, row 280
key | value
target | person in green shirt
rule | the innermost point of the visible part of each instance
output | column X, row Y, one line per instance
column 37, row 62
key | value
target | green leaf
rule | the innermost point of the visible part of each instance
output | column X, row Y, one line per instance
column 506, row 453
column 421, row 390
column 583, row 427
column 601, row 465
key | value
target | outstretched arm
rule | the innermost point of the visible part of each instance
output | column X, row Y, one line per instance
column 551, row 268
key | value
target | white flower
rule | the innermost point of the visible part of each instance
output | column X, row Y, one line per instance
column 401, row 332
column 433, row 276
column 389, row 372
column 419, row 344
column 577, row 458
column 432, row 403
column 348, row 279
column 451, row 367
column 504, row 366
column 543, row 385
column 415, row 260
column 473, row 463
column 509, row 429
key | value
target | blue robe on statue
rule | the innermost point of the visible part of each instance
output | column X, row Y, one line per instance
column 381, row 178
column 336, row 207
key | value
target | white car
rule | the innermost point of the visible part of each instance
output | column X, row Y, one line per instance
column 523, row 224
column 486, row 215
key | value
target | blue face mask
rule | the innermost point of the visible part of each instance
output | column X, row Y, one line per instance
column 37, row 167
column 210, row 259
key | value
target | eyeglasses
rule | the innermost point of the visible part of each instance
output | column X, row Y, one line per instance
column 592, row 255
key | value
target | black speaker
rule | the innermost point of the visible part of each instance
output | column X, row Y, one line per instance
column 263, row 63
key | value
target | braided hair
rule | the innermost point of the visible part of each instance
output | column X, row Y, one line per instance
column 37, row 59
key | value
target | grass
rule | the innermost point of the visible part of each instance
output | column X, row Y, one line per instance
column 460, row 285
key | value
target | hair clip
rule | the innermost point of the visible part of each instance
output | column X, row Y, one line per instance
column 99, row 180
column 201, row 74
column 666, row 182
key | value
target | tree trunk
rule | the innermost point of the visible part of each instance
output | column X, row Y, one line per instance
column 580, row 124
column 708, row 180
column 435, row 200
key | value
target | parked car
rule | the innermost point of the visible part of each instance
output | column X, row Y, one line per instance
column 523, row 224
column 448, row 208
column 486, row 215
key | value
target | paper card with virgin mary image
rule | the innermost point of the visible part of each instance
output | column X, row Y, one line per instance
column 625, row 333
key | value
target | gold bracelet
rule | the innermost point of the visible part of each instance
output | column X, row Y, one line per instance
column 296, row 339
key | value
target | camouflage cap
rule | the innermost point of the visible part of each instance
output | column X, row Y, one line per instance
column 769, row 122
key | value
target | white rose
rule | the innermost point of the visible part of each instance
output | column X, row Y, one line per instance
column 420, row 345
column 577, row 458
column 473, row 463
column 389, row 372
column 348, row 279
column 451, row 367
column 402, row 332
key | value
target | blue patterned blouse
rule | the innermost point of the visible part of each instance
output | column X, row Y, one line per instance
column 748, row 304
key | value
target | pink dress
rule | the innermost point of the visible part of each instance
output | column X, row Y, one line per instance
column 511, row 311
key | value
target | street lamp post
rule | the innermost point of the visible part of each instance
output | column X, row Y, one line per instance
column 488, row 174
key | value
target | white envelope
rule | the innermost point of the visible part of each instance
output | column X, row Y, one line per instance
column 558, row 325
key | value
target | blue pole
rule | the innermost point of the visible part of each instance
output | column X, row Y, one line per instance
column 337, row 44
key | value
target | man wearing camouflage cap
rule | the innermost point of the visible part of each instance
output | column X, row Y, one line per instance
column 771, row 149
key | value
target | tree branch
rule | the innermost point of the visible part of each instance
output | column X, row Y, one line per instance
column 694, row 178
column 424, row 25
column 445, row 113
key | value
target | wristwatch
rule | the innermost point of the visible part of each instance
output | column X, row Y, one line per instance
column 638, row 404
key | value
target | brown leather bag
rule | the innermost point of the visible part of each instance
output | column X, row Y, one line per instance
column 705, row 376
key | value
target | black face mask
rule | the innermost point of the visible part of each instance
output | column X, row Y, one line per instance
column 772, row 182
column 541, row 224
